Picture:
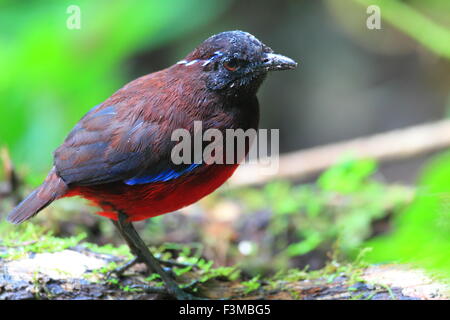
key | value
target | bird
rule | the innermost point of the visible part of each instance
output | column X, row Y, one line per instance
column 119, row 155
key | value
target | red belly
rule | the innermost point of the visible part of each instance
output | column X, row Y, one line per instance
column 149, row 200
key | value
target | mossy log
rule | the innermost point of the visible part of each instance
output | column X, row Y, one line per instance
column 73, row 274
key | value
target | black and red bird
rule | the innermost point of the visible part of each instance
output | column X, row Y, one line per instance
column 119, row 154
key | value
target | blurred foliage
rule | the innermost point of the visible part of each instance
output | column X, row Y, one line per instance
column 338, row 211
column 51, row 75
column 411, row 18
column 422, row 232
column 347, row 177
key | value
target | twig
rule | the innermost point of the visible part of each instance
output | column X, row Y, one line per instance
column 394, row 145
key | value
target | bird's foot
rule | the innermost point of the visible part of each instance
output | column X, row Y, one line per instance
column 118, row 272
column 173, row 291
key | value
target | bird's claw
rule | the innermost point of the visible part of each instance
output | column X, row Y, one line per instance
column 121, row 270
column 118, row 272
column 176, row 292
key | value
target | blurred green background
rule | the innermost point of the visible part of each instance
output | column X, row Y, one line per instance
column 352, row 82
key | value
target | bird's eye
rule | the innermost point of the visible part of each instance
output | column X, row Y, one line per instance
column 232, row 65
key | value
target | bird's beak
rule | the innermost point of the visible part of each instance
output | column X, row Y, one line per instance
column 276, row 62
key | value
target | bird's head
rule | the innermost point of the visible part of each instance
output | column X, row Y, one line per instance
column 232, row 61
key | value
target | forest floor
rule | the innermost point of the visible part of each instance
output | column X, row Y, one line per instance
column 80, row 273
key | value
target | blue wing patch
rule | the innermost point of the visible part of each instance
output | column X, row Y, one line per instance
column 161, row 177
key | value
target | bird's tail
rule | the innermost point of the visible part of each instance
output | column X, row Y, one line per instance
column 52, row 188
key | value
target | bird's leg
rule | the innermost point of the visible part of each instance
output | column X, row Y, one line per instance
column 138, row 259
column 135, row 251
column 138, row 247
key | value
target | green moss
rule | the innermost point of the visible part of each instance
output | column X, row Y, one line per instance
column 153, row 277
column 31, row 238
column 129, row 289
column 106, row 269
column 180, row 271
column 207, row 272
column 251, row 285
column 351, row 271
column 122, row 250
